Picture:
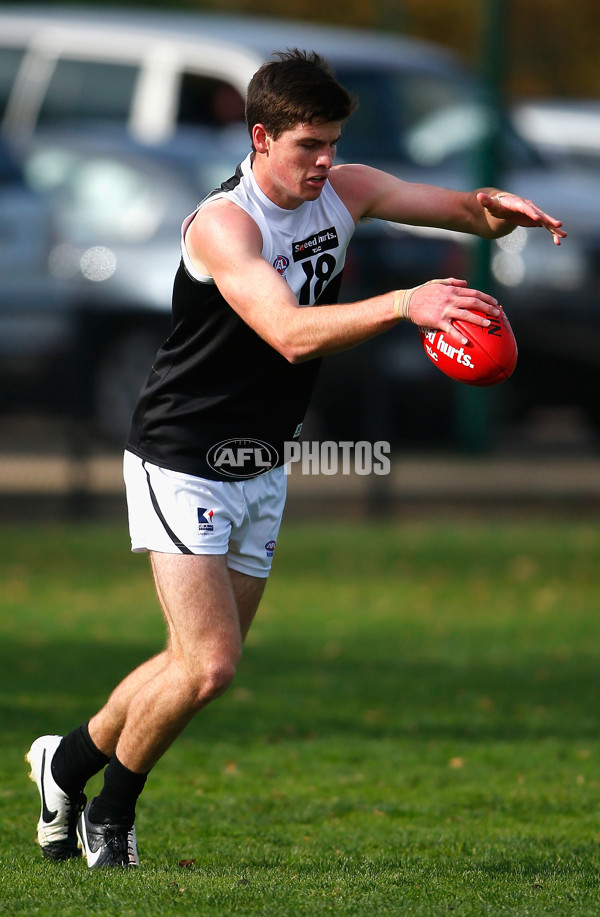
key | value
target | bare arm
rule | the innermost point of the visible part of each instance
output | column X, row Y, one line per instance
column 370, row 193
column 487, row 212
column 226, row 244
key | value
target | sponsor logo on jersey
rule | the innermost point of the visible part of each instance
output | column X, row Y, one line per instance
column 281, row 264
column 270, row 548
column 321, row 241
column 242, row 458
column 205, row 517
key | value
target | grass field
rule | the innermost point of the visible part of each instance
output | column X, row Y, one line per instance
column 414, row 728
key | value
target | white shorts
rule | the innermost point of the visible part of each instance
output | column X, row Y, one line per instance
column 176, row 513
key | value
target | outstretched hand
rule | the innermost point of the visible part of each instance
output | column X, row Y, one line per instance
column 438, row 303
column 521, row 212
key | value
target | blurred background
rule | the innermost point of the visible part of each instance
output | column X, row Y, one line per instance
column 117, row 120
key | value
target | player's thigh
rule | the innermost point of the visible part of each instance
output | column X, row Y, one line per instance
column 199, row 604
column 248, row 591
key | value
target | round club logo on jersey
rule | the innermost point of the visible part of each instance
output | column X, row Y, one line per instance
column 281, row 264
column 242, row 458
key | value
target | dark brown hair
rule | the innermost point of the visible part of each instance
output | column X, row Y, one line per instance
column 296, row 86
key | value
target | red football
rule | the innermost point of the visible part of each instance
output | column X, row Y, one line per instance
column 489, row 357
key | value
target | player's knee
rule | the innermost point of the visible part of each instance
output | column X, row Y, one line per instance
column 216, row 676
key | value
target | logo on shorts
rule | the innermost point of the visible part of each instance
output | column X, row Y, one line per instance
column 270, row 547
column 205, row 517
column 242, row 458
column 281, row 264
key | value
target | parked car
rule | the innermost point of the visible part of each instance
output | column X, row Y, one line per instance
column 35, row 309
column 562, row 129
column 117, row 209
column 166, row 79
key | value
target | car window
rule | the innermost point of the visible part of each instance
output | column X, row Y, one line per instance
column 422, row 119
column 88, row 90
column 9, row 170
column 96, row 195
column 393, row 105
column 10, row 61
column 206, row 101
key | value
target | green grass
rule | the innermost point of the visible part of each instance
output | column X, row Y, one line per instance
column 414, row 728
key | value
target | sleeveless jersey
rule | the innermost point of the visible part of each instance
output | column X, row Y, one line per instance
column 215, row 381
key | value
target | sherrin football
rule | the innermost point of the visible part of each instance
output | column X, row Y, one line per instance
column 488, row 358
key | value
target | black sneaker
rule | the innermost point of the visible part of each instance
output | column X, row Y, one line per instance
column 107, row 845
column 56, row 829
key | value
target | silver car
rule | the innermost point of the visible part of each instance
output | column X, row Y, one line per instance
column 35, row 307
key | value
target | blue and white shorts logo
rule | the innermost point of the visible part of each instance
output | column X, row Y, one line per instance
column 270, row 548
column 205, row 517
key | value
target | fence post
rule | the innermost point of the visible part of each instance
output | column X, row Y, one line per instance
column 474, row 406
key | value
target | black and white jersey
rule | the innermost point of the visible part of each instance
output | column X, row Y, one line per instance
column 215, row 380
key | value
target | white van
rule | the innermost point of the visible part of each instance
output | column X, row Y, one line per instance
column 156, row 72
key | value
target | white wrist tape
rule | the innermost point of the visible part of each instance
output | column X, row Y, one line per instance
column 402, row 302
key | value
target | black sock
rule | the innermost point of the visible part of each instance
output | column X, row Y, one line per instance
column 115, row 804
column 76, row 760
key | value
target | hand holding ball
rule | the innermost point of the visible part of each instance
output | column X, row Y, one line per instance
column 488, row 358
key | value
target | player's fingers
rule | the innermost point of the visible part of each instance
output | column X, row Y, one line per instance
column 557, row 233
column 463, row 315
column 543, row 219
column 475, row 299
column 453, row 332
column 506, row 201
column 447, row 282
column 550, row 221
column 485, row 199
column 452, row 281
column 540, row 218
column 471, row 318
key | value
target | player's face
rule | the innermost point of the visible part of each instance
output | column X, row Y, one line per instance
column 296, row 165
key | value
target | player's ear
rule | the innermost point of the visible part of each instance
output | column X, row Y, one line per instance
column 260, row 138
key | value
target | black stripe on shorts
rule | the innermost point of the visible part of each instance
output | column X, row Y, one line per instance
column 176, row 541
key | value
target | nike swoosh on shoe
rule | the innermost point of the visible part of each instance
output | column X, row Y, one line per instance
column 47, row 814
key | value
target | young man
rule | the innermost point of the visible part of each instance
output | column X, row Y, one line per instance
column 239, row 367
